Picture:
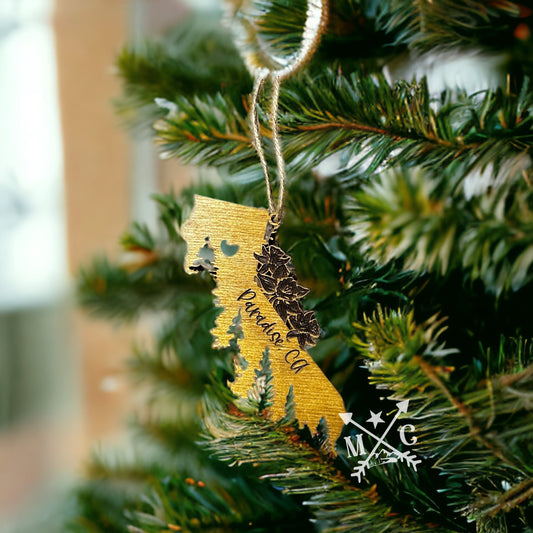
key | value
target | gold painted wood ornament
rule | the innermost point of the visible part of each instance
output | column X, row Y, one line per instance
column 255, row 278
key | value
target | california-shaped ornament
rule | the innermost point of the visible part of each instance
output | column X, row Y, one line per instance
column 255, row 280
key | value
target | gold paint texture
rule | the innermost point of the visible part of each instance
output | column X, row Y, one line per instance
column 314, row 395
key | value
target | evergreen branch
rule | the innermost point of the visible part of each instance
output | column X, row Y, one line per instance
column 171, row 431
column 400, row 122
column 183, row 337
column 447, row 24
column 208, row 130
column 402, row 214
column 371, row 122
column 277, row 454
column 159, row 495
column 341, row 278
column 133, row 475
column 101, row 508
column 381, row 26
column 112, row 488
column 163, row 369
column 271, row 31
column 113, row 291
column 510, row 499
column 163, row 493
column 197, row 57
column 491, row 510
column 176, row 503
column 475, row 430
column 148, row 275
column 358, row 30
column 466, row 423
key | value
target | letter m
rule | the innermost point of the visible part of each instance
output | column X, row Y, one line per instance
column 359, row 450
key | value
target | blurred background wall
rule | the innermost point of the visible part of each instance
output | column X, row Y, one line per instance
column 70, row 182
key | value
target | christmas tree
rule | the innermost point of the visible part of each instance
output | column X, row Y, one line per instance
column 408, row 215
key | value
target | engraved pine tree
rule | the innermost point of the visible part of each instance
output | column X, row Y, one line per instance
column 235, row 234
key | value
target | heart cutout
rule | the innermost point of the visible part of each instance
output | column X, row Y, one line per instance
column 229, row 250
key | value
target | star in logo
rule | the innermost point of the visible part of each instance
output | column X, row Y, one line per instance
column 375, row 418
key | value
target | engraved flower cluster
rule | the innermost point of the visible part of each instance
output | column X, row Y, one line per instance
column 276, row 278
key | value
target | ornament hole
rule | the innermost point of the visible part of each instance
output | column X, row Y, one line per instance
column 229, row 250
column 205, row 260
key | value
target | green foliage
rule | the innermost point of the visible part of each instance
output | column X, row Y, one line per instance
column 357, row 29
column 100, row 509
column 474, row 421
column 382, row 124
column 123, row 291
column 450, row 23
column 205, row 129
column 153, row 497
column 114, row 486
column 371, row 122
column 226, row 506
column 277, row 453
column 426, row 219
column 197, row 57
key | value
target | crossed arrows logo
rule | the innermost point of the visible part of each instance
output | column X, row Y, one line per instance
column 394, row 454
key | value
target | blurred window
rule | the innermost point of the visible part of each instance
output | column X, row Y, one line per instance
column 33, row 268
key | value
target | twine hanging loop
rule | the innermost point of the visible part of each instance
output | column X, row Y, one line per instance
column 266, row 67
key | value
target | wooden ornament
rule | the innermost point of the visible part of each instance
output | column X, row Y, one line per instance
column 255, row 280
